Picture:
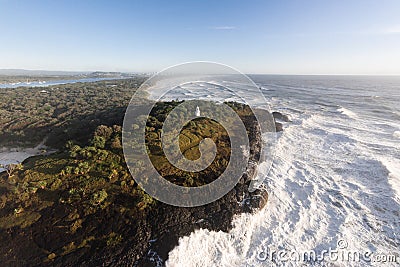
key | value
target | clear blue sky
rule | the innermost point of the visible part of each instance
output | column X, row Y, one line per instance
column 287, row 37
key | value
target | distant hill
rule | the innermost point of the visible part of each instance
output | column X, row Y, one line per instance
column 22, row 72
column 36, row 73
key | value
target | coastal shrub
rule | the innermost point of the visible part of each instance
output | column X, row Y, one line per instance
column 57, row 183
column 116, row 143
column 74, row 150
column 99, row 141
column 67, row 170
column 102, row 154
column 87, row 152
column 99, row 197
column 103, row 131
column 83, row 167
column 113, row 176
column 66, row 112
column 146, row 200
column 69, row 144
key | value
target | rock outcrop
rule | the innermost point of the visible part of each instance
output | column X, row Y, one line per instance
column 61, row 224
column 280, row 116
column 166, row 224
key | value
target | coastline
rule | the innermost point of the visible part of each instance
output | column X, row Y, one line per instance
column 17, row 155
column 147, row 237
column 55, row 82
column 155, row 233
column 158, row 231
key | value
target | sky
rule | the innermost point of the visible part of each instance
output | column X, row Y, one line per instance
column 272, row 37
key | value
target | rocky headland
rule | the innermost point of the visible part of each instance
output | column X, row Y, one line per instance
column 80, row 206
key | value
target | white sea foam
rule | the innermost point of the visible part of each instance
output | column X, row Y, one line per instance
column 348, row 113
column 393, row 167
column 333, row 177
column 326, row 184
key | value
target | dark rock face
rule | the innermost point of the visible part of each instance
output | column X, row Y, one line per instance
column 163, row 227
column 279, row 126
column 280, row 116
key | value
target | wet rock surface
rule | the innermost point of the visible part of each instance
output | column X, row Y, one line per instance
column 280, row 116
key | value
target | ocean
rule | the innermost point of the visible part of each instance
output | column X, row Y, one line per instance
column 334, row 185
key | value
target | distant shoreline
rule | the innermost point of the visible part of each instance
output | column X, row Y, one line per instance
column 39, row 82
column 17, row 155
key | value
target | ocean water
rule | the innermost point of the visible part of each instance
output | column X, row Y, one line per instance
column 334, row 184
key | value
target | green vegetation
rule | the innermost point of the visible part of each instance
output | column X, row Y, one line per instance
column 10, row 169
column 189, row 139
column 63, row 112
column 83, row 197
column 70, row 193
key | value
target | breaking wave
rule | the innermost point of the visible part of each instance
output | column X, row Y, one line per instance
column 334, row 178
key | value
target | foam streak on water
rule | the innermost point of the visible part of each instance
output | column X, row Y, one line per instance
column 335, row 177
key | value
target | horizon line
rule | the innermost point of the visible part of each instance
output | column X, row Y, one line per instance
column 248, row 73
